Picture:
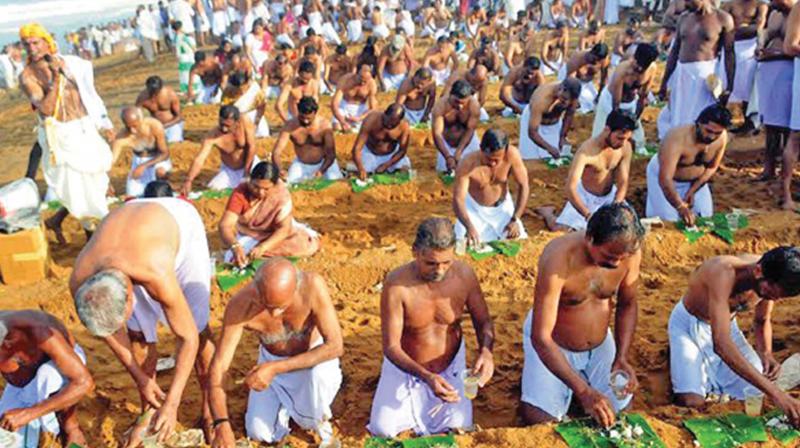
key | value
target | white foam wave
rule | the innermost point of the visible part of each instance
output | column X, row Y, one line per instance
column 55, row 10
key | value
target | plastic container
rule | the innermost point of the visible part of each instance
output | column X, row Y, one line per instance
column 18, row 195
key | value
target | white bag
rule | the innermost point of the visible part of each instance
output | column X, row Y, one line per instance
column 18, row 195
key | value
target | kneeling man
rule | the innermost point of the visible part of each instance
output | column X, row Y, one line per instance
column 569, row 349
column 147, row 139
column 354, row 99
column 455, row 117
column 46, row 376
column 382, row 142
column 421, row 387
column 481, row 198
column 708, row 351
column 544, row 124
column 297, row 374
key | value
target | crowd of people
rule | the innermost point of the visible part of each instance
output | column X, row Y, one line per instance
column 294, row 56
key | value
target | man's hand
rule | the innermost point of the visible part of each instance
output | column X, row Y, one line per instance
column 150, row 392
column 318, row 174
column 164, row 421
column 442, row 389
column 15, row 419
column 686, row 214
column 345, row 125
column 451, row 163
column 109, row 135
column 484, row 367
column 110, row 191
column 723, row 97
column 512, row 229
column 383, row 167
column 662, row 94
column 789, row 406
column 239, row 257
column 260, row 376
column 623, row 365
column 598, row 406
column 186, row 188
column 473, row 237
column 425, row 118
column 554, row 152
column 362, row 175
column 772, row 368
column 223, row 436
column 138, row 171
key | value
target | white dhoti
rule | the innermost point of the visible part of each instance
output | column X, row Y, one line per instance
column 330, row 34
column 489, row 221
column 509, row 112
column 192, row 270
column 414, row 116
column 262, row 128
column 689, row 93
column 135, row 186
column 605, row 106
column 545, row 391
column 611, row 12
column 381, row 31
column 745, row 73
column 557, row 64
column 794, row 122
column 657, row 204
column 208, row 94
column 615, row 59
column 404, row 402
column 47, row 382
column 571, row 218
column 392, row 82
column 174, row 133
column 229, row 177
column 551, row 133
column 694, row 366
column 299, row 171
column 304, row 396
column 284, row 39
column 219, row 23
column 75, row 163
column 354, row 31
column 775, row 92
column 440, row 77
column 372, row 161
column 408, row 26
column 350, row 111
column 272, row 92
column 587, row 98
column 472, row 146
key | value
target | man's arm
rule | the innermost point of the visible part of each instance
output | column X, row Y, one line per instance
column 576, row 169
column 402, row 145
column 533, row 128
column 566, row 125
column 622, row 175
column 626, row 316
column 484, row 329
column 190, row 93
column 728, row 39
column 337, row 98
column 546, row 54
column 668, row 158
column 762, row 327
column 329, row 150
column 469, row 132
column 199, row 160
column 175, row 108
column 460, row 192
column 249, row 145
column 438, row 135
column 381, row 66
column 506, row 94
column 280, row 145
column 358, row 145
column 520, row 173
column 672, row 61
column 430, row 101
column 282, row 103
column 161, row 147
column 372, row 100
column 43, row 102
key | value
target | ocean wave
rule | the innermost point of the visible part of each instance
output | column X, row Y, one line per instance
column 58, row 10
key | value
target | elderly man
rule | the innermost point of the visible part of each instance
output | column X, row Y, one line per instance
column 628, row 89
column 394, row 63
column 72, row 115
column 234, row 138
column 677, row 179
column 205, row 80
column 455, row 118
column 164, row 105
column 598, row 174
column 46, row 377
column 417, row 95
column 478, row 78
column 297, row 374
column 314, row 145
column 145, row 137
column 437, row 59
column 569, row 349
column 481, row 198
column 519, row 84
column 149, row 262
column 708, row 351
column 421, row 385
column 583, row 65
column 703, row 32
column 354, row 99
column 382, row 143
column 546, row 121
column 303, row 85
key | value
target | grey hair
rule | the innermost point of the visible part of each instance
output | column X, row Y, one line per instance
column 101, row 301
column 436, row 234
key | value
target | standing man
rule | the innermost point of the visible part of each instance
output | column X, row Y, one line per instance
column 72, row 116
column 455, row 118
column 148, row 32
column 382, row 143
column 569, row 348
column 164, row 105
column 149, row 262
column 421, row 384
column 417, row 95
column 546, row 121
column 300, row 341
column 791, row 47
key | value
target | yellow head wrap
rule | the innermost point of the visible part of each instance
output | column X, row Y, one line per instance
column 36, row 30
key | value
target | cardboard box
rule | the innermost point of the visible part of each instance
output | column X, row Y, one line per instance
column 26, row 241
column 24, row 268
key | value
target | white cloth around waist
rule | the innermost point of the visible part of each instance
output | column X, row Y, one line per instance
column 571, row 218
column 372, row 161
column 657, row 204
column 774, row 85
column 489, row 221
column 551, row 133
column 299, row 171
column 472, row 146
column 136, row 186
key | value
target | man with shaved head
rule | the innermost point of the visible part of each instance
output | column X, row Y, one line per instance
column 298, row 374
column 146, row 137
column 417, row 95
column 478, row 78
column 421, row 387
column 45, row 374
column 382, row 142
column 149, row 262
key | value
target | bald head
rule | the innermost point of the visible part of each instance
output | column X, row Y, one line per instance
column 276, row 281
column 131, row 116
column 479, row 73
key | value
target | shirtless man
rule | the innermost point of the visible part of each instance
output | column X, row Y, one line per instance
column 749, row 20
column 238, row 63
column 628, row 89
column 394, row 64
column 519, row 85
column 45, row 373
column 316, row 41
column 515, row 52
column 312, row 55
column 417, row 95
column 205, row 80
column 437, row 21
column 277, row 73
column 598, row 174
column 149, row 262
column 546, row 121
column 708, row 351
column 455, row 117
column 482, row 201
column 164, row 105
column 300, row 342
column 555, row 49
column 421, row 386
column 437, row 58
column 354, row 99
column 146, row 139
column 382, row 142
column 303, row 85
column 702, row 31
column 569, row 349
column 234, row 138
column 580, row 13
column 677, row 179
column 624, row 40
column 336, row 66
column 478, row 78
column 486, row 56
column 584, row 65
column 314, row 145
column 593, row 35
column 791, row 47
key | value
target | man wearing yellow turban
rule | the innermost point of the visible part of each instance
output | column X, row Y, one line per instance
column 71, row 114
